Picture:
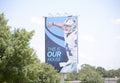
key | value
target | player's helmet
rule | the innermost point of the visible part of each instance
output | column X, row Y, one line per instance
column 70, row 22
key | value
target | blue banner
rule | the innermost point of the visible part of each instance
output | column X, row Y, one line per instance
column 61, row 43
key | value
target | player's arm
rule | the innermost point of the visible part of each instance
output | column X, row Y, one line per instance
column 60, row 25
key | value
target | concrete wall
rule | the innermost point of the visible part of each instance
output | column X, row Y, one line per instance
column 111, row 80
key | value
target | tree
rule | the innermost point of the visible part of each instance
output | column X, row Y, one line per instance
column 118, row 72
column 4, row 42
column 48, row 74
column 18, row 61
column 88, row 74
column 101, row 71
column 15, row 52
column 72, row 76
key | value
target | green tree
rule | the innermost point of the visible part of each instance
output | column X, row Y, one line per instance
column 18, row 61
column 88, row 74
column 72, row 76
column 4, row 42
column 112, row 73
column 118, row 72
column 101, row 71
column 48, row 74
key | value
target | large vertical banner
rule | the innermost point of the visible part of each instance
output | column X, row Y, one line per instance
column 61, row 43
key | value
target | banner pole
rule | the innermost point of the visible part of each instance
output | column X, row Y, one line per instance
column 62, row 75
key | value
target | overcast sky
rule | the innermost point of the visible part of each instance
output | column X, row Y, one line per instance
column 99, row 26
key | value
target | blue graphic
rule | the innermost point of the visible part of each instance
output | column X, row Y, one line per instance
column 60, row 53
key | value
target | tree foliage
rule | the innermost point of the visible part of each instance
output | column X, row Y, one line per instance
column 108, row 73
column 18, row 61
column 72, row 76
column 88, row 74
column 101, row 71
column 48, row 74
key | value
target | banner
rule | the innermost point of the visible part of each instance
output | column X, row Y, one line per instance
column 61, row 43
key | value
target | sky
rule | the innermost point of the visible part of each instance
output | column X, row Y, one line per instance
column 98, row 26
